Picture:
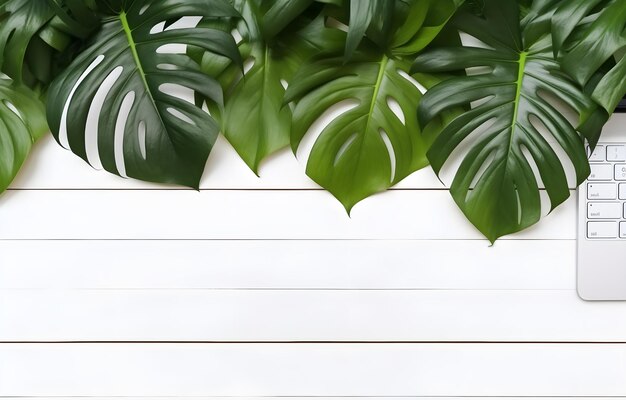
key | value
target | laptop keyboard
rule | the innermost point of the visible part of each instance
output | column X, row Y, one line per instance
column 606, row 193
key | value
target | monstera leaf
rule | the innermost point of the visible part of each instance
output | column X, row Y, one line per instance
column 513, row 96
column 22, row 122
column 280, row 14
column 31, row 33
column 254, row 119
column 376, row 18
column 159, row 137
column 20, row 21
column 597, row 42
column 377, row 143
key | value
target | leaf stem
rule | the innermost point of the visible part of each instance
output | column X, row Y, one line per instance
column 379, row 81
column 520, row 80
column 133, row 49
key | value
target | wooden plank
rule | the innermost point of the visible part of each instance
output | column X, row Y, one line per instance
column 271, row 264
column 167, row 214
column 312, row 370
column 307, row 315
column 325, row 398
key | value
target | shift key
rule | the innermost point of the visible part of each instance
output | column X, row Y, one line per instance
column 601, row 230
column 601, row 191
column 604, row 210
column 601, row 172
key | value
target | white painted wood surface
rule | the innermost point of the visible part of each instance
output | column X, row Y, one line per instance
column 257, row 288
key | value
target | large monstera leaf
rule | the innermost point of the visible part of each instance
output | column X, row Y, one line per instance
column 379, row 142
column 597, row 42
column 254, row 119
column 163, row 138
column 513, row 101
column 22, row 122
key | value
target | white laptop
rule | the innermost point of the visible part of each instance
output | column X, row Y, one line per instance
column 602, row 217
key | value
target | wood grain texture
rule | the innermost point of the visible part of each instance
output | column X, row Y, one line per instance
column 277, row 259
column 330, row 398
column 305, row 315
column 313, row 370
column 176, row 214
column 277, row 264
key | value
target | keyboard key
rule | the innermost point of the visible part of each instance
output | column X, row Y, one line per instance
column 603, row 191
column 604, row 210
column 622, row 191
column 616, row 153
column 598, row 154
column 601, row 172
column 620, row 172
column 622, row 230
column 602, row 230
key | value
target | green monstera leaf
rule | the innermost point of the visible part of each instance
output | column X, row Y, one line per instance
column 254, row 119
column 22, row 122
column 33, row 32
column 513, row 101
column 375, row 18
column 593, row 31
column 379, row 142
column 159, row 137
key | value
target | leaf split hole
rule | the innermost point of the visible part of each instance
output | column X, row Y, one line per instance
column 158, row 28
column 248, row 65
column 236, row 35
column 391, row 152
column 415, row 83
column 336, row 24
column 172, row 48
column 531, row 163
column 316, row 129
column 550, row 138
column 144, row 9
column 461, row 150
column 344, row 148
column 141, row 136
column 185, row 22
column 167, row 67
column 180, row 115
column 63, row 134
column 395, row 107
column 482, row 70
column 205, row 107
column 95, row 115
column 518, row 202
column 284, row 84
column 477, row 103
column 178, row 91
column 478, row 176
column 14, row 109
column 471, row 41
column 557, row 103
column 120, row 133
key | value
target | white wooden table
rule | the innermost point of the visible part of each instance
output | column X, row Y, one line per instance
column 266, row 288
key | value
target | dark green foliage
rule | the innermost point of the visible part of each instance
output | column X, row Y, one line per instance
column 498, row 103
column 495, row 185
